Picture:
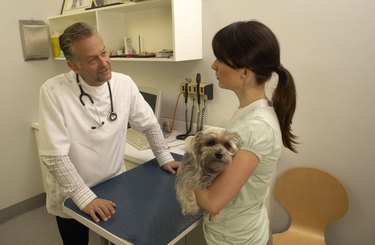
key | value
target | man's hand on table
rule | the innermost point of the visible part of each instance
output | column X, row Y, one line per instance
column 171, row 166
column 104, row 208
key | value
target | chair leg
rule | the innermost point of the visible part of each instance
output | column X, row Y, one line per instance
column 270, row 240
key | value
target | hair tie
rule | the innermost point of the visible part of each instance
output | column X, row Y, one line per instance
column 279, row 69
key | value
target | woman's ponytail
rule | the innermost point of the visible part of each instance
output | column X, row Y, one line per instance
column 284, row 102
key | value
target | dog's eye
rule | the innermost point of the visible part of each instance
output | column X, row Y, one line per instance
column 227, row 145
column 211, row 143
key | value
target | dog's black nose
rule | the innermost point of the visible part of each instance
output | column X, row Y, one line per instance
column 218, row 155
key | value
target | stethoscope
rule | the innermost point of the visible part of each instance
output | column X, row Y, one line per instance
column 112, row 116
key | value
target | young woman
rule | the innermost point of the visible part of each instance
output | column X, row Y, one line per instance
column 247, row 54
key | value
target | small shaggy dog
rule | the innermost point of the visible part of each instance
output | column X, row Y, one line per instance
column 206, row 156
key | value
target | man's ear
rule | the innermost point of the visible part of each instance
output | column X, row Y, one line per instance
column 73, row 66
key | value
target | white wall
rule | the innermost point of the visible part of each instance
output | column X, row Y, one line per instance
column 20, row 81
column 328, row 47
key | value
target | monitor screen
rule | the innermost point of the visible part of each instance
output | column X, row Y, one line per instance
column 153, row 98
column 150, row 98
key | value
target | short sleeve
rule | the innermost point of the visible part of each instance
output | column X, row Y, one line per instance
column 259, row 138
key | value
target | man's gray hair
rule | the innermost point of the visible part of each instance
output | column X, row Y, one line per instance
column 73, row 33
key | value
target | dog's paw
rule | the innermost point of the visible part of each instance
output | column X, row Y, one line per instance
column 190, row 210
column 214, row 218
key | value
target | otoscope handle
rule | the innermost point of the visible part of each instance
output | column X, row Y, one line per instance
column 198, row 79
column 186, row 93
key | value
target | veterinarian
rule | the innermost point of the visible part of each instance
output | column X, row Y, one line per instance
column 247, row 54
column 83, row 121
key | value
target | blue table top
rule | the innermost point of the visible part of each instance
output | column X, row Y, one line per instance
column 147, row 210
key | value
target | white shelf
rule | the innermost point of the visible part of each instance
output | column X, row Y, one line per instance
column 161, row 24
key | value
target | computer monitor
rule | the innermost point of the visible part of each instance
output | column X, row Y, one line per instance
column 153, row 98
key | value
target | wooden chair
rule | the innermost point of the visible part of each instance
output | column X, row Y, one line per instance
column 313, row 199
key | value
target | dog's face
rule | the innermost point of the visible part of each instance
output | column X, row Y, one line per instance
column 214, row 148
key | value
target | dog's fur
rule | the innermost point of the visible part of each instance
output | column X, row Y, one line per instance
column 206, row 156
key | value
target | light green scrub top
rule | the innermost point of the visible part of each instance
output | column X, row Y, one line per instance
column 244, row 220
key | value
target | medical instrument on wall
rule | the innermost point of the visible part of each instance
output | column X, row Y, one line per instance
column 195, row 91
column 112, row 116
column 200, row 114
column 188, row 128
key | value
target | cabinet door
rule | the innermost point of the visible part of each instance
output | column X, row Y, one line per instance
column 187, row 29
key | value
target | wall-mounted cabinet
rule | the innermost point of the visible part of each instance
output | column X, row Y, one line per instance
column 153, row 25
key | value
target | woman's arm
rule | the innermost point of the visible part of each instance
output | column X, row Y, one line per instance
column 228, row 183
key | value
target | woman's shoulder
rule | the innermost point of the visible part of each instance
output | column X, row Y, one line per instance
column 258, row 129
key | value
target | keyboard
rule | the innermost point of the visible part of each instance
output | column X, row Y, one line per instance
column 137, row 139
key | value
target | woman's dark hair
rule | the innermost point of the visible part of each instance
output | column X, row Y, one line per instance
column 73, row 33
column 252, row 45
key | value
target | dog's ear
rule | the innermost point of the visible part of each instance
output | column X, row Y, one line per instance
column 237, row 139
column 187, row 157
column 188, row 143
column 197, row 135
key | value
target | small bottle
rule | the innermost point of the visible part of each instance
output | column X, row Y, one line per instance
column 55, row 45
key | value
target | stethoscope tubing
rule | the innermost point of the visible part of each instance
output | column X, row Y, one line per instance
column 112, row 116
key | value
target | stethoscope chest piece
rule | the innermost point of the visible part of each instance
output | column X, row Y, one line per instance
column 112, row 116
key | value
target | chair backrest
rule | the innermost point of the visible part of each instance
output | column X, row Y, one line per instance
column 312, row 197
